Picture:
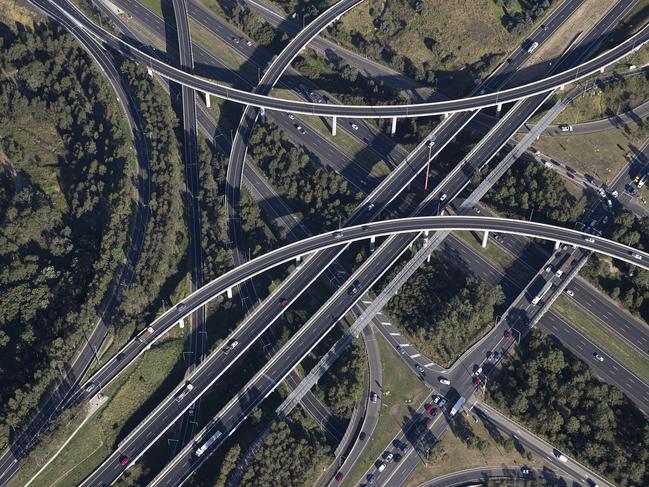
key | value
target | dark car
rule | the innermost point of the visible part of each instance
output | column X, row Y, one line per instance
column 339, row 477
column 362, row 436
column 370, row 478
column 124, row 460
column 283, row 302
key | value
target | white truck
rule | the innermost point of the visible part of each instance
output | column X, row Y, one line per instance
column 542, row 293
column 184, row 391
column 210, row 441
column 458, row 405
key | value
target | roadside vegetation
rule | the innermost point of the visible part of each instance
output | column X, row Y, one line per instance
column 444, row 312
column 66, row 202
column 322, row 196
column 557, row 396
column 293, row 454
column 528, row 188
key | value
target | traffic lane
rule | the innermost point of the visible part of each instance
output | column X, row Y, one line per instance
column 480, row 474
column 255, row 99
column 609, row 370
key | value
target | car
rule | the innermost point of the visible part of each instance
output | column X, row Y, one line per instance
column 291, row 116
column 592, row 483
column 234, row 344
column 428, row 408
column 525, row 471
column 548, row 268
column 598, row 357
column 636, row 179
column 509, row 60
column 371, row 478
column 636, row 256
column 496, row 357
column 397, row 457
column 338, row 234
column 120, row 356
column 382, row 467
column 353, row 289
column 481, row 92
column 419, row 368
column 477, row 371
column 389, row 456
column 90, row 387
column 248, row 43
column 365, row 228
column 340, row 477
column 124, row 460
column 181, row 307
column 443, row 197
column 430, row 143
column 571, row 175
column 570, row 293
column 560, row 456
column 370, row 207
column 436, row 399
column 589, row 239
column 362, row 436
column 354, row 126
column 615, row 194
column 609, row 203
column 445, row 381
column 236, row 40
column 477, row 381
column 401, row 350
column 283, row 302
column 544, row 27
column 605, row 220
column 373, row 397
column 442, row 401
column 565, row 128
column 300, row 129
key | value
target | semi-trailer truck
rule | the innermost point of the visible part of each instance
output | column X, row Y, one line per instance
column 458, row 405
column 542, row 293
column 144, row 334
column 210, row 441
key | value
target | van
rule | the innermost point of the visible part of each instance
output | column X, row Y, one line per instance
column 532, row 47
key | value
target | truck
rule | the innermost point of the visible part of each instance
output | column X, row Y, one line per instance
column 543, row 292
column 563, row 265
column 144, row 334
column 184, row 391
column 458, row 405
column 205, row 446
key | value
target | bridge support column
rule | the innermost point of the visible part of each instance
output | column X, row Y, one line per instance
column 601, row 70
column 181, row 323
column 208, row 102
column 499, row 108
column 485, row 239
column 446, row 115
column 394, row 125
column 562, row 87
column 557, row 244
column 333, row 125
column 229, row 291
column 149, row 71
column 372, row 243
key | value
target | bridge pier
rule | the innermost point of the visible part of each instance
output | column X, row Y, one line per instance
column 372, row 243
column 181, row 323
column 601, row 70
column 208, row 102
column 149, row 71
column 446, row 115
column 485, row 239
column 333, row 125
column 499, row 108
column 562, row 87
column 394, row 125
column 229, row 293
column 557, row 244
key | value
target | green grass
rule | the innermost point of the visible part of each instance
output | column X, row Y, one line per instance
column 131, row 397
column 498, row 256
column 154, row 5
column 402, row 391
column 618, row 348
column 345, row 142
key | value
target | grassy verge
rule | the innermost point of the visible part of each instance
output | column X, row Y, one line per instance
column 498, row 256
column 452, row 454
column 402, row 392
column 358, row 151
column 622, row 351
column 130, row 398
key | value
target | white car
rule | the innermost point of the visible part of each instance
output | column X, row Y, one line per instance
column 381, row 467
column 570, row 293
column 248, row 43
column 598, row 357
column 478, row 371
column 389, row 457
column 589, row 239
column 444, row 381
column 443, row 197
column 636, row 256
column 354, row 126
column 291, row 116
column 561, row 456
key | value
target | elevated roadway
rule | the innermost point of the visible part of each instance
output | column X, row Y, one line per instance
column 488, row 99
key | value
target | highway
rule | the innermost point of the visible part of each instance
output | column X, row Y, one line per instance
column 345, row 111
column 51, row 406
column 206, row 374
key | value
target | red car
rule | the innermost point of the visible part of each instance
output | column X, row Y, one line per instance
column 429, row 408
column 339, row 477
column 123, row 460
column 283, row 302
column 477, row 381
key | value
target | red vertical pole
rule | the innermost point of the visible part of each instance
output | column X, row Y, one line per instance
column 427, row 169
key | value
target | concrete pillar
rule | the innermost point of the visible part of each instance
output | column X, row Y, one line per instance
column 181, row 323
column 411, row 244
column 428, row 258
column 499, row 108
column 229, row 291
column 601, row 70
column 485, row 238
column 426, row 232
column 372, row 243
column 557, row 244
column 208, row 102
column 333, row 125
column 149, row 71
column 562, row 87
column 394, row 125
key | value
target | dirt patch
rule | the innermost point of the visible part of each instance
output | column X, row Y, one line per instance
column 13, row 12
column 586, row 16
